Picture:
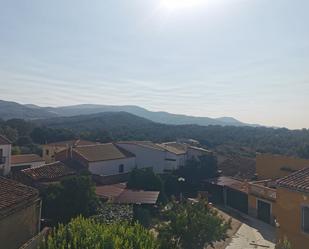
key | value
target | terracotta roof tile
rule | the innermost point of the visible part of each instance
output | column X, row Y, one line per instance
column 25, row 158
column 48, row 172
column 102, row 152
column 298, row 180
column 14, row 193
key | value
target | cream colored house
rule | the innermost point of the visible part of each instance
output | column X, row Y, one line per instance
column 51, row 149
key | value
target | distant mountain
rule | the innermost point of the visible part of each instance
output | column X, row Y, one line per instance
column 9, row 110
column 159, row 117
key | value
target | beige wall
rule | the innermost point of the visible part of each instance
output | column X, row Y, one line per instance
column 289, row 217
column 52, row 150
column 277, row 166
column 6, row 149
column 20, row 226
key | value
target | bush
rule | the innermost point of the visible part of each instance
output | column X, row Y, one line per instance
column 83, row 233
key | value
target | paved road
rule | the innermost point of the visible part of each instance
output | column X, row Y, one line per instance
column 253, row 234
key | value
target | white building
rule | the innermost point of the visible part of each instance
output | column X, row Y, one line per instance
column 5, row 155
column 162, row 157
column 101, row 159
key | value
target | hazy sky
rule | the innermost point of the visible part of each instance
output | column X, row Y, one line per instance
column 243, row 58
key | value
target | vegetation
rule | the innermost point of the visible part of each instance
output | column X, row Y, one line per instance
column 283, row 244
column 195, row 171
column 86, row 233
column 192, row 225
column 146, row 179
column 74, row 196
column 110, row 213
column 108, row 127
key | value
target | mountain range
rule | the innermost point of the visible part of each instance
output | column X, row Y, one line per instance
column 10, row 110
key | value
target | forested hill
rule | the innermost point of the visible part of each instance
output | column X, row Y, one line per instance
column 106, row 127
column 125, row 126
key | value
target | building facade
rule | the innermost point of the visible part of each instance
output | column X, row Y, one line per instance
column 20, row 213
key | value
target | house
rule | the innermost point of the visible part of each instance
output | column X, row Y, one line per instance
column 19, row 162
column 20, row 213
column 44, row 175
column 161, row 157
column 276, row 166
column 5, row 156
column 100, row 159
column 119, row 194
column 292, row 208
column 49, row 150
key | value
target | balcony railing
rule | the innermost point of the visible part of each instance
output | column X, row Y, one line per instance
column 263, row 192
column 2, row 160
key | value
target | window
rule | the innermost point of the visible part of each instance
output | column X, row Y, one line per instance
column 305, row 219
column 121, row 168
column 47, row 152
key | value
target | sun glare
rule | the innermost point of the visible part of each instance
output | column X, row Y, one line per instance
column 180, row 4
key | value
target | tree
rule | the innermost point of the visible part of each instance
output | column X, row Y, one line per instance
column 195, row 171
column 192, row 225
column 146, row 179
column 72, row 197
column 86, row 233
column 283, row 244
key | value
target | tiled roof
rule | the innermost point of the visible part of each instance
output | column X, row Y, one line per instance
column 4, row 140
column 26, row 158
column 118, row 193
column 102, row 152
column 13, row 193
column 138, row 197
column 68, row 143
column 146, row 144
column 298, row 180
column 48, row 172
column 110, row 191
column 175, row 148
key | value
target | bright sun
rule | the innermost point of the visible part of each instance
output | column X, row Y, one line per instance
column 180, row 4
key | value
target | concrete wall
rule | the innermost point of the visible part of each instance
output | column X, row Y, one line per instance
column 277, row 166
column 289, row 216
column 146, row 157
column 111, row 167
column 20, row 226
column 6, row 148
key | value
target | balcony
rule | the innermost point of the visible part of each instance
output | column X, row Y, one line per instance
column 262, row 191
column 2, row 160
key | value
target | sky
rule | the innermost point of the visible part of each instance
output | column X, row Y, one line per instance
column 248, row 59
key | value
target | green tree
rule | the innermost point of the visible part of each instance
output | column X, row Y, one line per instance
column 195, row 171
column 146, row 179
column 192, row 225
column 85, row 233
column 283, row 244
column 72, row 197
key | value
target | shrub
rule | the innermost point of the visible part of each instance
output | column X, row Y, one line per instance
column 83, row 233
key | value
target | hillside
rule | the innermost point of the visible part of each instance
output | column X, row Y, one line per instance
column 10, row 110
